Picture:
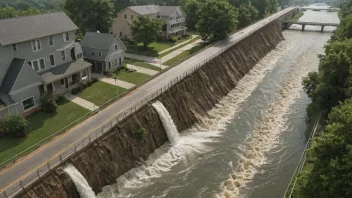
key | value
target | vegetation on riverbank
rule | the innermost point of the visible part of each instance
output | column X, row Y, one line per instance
column 331, row 91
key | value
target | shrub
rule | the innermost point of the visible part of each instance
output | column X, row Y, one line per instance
column 173, row 39
column 60, row 99
column 76, row 90
column 141, row 133
column 94, row 80
column 89, row 83
column 13, row 126
column 131, row 42
column 48, row 101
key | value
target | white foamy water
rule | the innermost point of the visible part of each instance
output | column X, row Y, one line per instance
column 82, row 186
column 193, row 142
column 266, row 134
column 168, row 123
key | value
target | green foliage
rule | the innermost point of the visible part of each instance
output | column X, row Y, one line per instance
column 217, row 18
column 331, row 175
column 91, row 15
column 43, row 5
column 10, row 12
column 141, row 133
column 344, row 30
column 48, row 101
column 13, row 126
column 173, row 39
column 191, row 8
column 146, row 30
column 333, row 82
column 247, row 14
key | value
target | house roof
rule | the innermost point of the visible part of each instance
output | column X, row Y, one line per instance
column 64, row 70
column 153, row 9
column 19, row 75
column 15, row 30
column 145, row 9
column 93, row 41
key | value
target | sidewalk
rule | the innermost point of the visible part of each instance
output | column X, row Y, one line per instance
column 142, row 70
column 111, row 81
column 81, row 102
column 173, row 47
column 179, row 51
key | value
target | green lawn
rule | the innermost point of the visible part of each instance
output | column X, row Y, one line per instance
column 153, row 48
column 177, row 59
column 190, row 41
column 132, row 77
column 42, row 125
column 141, row 64
column 100, row 93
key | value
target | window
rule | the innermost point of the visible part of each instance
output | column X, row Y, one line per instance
column 125, row 16
column 100, row 55
column 131, row 17
column 79, row 56
column 115, row 47
column 28, row 103
column 66, row 37
column 14, row 47
column 51, row 41
column 109, row 65
column 36, row 46
column 120, row 34
column 63, row 56
column 38, row 64
column 92, row 53
column 115, row 63
column 52, row 59
column 62, row 81
column 120, row 61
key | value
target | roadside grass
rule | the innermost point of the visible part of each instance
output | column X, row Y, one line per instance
column 189, row 42
column 179, row 58
column 131, row 77
column 153, row 48
column 100, row 93
column 141, row 64
column 42, row 125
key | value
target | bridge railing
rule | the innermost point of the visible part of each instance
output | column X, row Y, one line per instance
column 27, row 180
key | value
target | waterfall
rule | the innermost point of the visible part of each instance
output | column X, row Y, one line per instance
column 168, row 123
column 83, row 188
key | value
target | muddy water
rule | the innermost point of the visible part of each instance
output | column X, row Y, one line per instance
column 251, row 141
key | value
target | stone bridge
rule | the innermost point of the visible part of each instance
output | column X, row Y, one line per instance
column 287, row 24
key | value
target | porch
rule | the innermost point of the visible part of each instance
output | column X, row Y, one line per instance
column 61, row 79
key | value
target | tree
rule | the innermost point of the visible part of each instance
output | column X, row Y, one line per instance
column 7, row 12
column 91, row 15
column 217, row 18
column 261, row 6
column 332, row 172
column 334, row 80
column 191, row 8
column 247, row 14
column 13, row 126
column 344, row 30
column 146, row 30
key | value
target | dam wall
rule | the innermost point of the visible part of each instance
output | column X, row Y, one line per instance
column 121, row 149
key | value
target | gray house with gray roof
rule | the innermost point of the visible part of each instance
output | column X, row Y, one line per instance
column 105, row 51
column 174, row 19
column 38, row 54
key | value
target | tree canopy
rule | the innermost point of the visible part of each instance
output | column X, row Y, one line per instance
column 146, row 30
column 10, row 12
column 247, row 14
column 91, row 15
column 191, row 8
column 217, row 18
column 331, row 89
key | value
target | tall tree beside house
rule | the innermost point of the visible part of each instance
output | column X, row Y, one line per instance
column 191, row 8
column 247, row 14
column 217, row 18
column 91, row 15
column 146, row 30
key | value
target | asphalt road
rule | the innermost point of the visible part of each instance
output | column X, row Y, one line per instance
column 14, row 173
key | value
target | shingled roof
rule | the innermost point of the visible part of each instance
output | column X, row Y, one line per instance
column 154, row 9
column 15, row 30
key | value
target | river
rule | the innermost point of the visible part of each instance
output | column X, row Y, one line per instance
column 251, row 142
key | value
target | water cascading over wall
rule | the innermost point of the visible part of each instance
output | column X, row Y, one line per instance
column 121, row 150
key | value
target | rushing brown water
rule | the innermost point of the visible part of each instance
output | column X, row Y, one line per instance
column 250, row 143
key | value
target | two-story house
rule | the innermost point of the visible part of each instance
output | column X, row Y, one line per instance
column 38, row 54
column 174, row 19
column 105, row 51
